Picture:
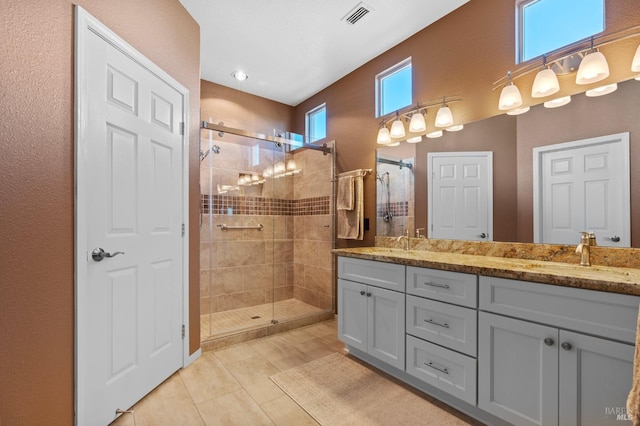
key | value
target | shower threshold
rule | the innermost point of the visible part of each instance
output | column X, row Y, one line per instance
column 221, row 329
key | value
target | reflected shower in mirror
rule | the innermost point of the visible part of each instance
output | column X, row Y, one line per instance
column 394, row 193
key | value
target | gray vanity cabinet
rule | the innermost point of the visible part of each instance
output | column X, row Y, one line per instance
column 538, row 373
column 372, row 318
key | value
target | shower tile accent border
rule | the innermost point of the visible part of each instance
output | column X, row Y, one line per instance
column 397, row 208
column 262, row 206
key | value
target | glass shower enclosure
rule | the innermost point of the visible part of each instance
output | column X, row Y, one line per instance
column 266, row 232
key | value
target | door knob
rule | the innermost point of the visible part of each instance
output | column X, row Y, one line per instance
column 548, row 341
column 614, row 239
column 566, row 346
column 98, row 254
column 483, row 235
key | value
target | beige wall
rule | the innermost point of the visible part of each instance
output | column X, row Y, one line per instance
column 36, row 186
column 462, row 53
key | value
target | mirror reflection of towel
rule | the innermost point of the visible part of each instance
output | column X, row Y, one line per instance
column 345, row 193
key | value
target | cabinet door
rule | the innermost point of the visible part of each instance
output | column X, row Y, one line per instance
column 595, row 379
column 352, row 314
column 386, row 317
column 517, row 370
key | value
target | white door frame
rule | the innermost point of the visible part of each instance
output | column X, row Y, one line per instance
column 538, row 152
column 489, row 156
column 84, row 24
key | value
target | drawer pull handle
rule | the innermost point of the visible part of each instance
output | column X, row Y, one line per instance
column 440, row 324
column 436, row 367
column 436, row 285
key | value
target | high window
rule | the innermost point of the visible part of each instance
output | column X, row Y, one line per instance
column 393, row 88
column 316, row 123
column 547, row 25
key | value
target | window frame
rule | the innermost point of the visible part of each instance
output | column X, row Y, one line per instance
column 307, row 122
column 406, row 63
column 519, row 21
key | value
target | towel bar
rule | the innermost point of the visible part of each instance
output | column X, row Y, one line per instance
column 225, row 227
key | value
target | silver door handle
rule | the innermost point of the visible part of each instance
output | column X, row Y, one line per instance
column 483, row 235
column 98, row 254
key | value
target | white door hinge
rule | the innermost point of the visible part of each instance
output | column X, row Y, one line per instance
column 183, row 331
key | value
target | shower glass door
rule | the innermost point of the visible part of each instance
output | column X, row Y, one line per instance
column 266, row 234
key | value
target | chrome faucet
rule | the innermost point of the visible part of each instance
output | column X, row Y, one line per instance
column 405, row 240
column 587, row 240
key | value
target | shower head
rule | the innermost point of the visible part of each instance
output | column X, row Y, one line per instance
column 203, row 154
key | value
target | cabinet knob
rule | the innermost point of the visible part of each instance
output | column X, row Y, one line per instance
column 566, row 346
column 362, row 293
column 368, row 294
column 548, row 341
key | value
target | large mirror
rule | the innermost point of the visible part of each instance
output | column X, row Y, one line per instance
column 512, row 140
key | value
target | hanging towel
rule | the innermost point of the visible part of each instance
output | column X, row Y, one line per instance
column 633, row 401
column 351, row 222
column 345, row 193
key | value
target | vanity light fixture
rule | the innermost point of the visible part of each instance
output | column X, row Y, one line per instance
column 593, row 68
column 415, row 139
column 239, row 75
column 518, row 111
column 435, row 134
column 397, row 128
column 555, row 103
column 444, row 118
column 396, row 143
column 455, row 128
column 635, row 63
column 545, row 84
column 602, row 90
column 384, row 137
column 510, row 96
column 417, row 123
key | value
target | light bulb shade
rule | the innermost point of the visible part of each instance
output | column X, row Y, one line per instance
column 555, row 103
column 417, row 123
column 415, row 139
column 455, row 128
column 383, row 136
column 602, row 90
column 397, row 129
column 593, row 68
column 510, row 97
column 518, row 111
column 545, row 84
column 435, row 134
column 396, row 143
column 635, row 64
column 444, row 118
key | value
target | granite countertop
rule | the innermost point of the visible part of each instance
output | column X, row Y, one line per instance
column 603, row 278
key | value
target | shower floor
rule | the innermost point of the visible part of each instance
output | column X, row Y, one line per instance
column 229, row 322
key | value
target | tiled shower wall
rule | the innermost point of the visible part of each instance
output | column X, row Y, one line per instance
column 402, row 199
column 241, row 268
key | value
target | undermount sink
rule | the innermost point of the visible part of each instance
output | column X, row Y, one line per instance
column 558, row 267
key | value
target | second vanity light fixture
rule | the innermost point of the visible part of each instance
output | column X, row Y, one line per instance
column 592, row 69
column 415, row 116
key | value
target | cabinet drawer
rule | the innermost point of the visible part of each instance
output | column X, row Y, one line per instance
column 446, row 286
column 447, row 325
column 610, row 315
column 379, row 274
column 442, row 368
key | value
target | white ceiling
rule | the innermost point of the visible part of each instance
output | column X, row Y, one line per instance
column 292, row 49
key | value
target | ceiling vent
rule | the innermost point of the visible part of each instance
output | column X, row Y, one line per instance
column 357, row 13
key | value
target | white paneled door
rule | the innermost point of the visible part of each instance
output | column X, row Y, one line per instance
column 583, row 186
column 130, row 198
column 460, row 186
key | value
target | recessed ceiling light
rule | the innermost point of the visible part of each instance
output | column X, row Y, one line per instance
column 239, row 75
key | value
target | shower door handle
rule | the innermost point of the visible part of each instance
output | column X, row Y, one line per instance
column 98, row 254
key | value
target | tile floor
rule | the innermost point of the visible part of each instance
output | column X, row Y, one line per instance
column 231, row 386
column 228, row 322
